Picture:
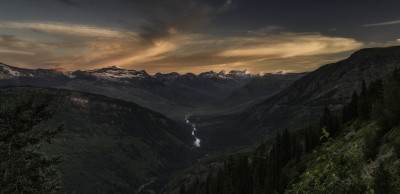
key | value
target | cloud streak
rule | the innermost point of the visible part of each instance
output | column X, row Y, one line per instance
column 59, row 28
column 383, row 23
column 290, row 45
column 198, row 53
column 15, row 52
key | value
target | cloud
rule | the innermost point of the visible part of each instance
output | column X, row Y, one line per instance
column 66, row 29
column 226, row 7
column 6, row 51
column 289, row 45
column 383, row 23
column 166, row 19
column 159, row 35
column 10, row 42
column 88, row 47
column 61, row 44
column 198, row 52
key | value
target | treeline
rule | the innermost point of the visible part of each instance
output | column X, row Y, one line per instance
column 342, row 171
column 378, row 101
column 271, row 167
column 261, row 172
column 360, row 108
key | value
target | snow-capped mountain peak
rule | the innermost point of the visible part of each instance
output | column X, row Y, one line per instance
column 115, row 73
column 280, row 73
column 8, row 71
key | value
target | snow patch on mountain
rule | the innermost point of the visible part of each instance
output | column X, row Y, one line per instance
column 115, row 73
column 280, row 73
column 69, row 74
column 11, row 72
column 65, row 72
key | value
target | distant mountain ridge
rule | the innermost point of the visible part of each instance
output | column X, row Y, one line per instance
column 114, row 73
column 171, row 94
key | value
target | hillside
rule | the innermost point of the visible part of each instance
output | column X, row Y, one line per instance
column 355, row 149
column 300, row 103
column 111, row 145
column 258, row 89
column 338, row 166
column 330, row 84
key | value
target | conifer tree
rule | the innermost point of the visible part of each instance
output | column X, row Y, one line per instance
column 350, row 111
column 326, row 120
column 363, row 108
column 182, row 189
column 382, row 179
column 286, row 146
column 392, row 96
column 23, row 168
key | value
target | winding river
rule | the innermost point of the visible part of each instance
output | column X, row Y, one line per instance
column 197, row 140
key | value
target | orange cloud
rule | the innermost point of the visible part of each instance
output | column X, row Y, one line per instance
column 291, row 45
column 64, row 29
column 72, row 46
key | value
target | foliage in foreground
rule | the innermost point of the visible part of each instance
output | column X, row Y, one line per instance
column 23, row 168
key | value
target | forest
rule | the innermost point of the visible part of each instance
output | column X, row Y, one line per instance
column 311, row 160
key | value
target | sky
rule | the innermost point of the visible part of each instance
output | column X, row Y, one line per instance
column 192, row 35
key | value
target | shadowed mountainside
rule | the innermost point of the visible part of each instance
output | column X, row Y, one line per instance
column 111, row 145
column 300, row 103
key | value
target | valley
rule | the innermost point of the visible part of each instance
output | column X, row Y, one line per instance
column 199, row 97
column 116, row 140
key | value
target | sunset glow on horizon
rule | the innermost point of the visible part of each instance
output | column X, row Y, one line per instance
column 189, row 36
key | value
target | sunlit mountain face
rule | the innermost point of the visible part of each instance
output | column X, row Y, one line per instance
column 191, row 36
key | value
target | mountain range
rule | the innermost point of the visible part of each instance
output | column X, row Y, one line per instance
column 116, row 141
column 341, row 135
column 301, row 103
column 171, row 94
